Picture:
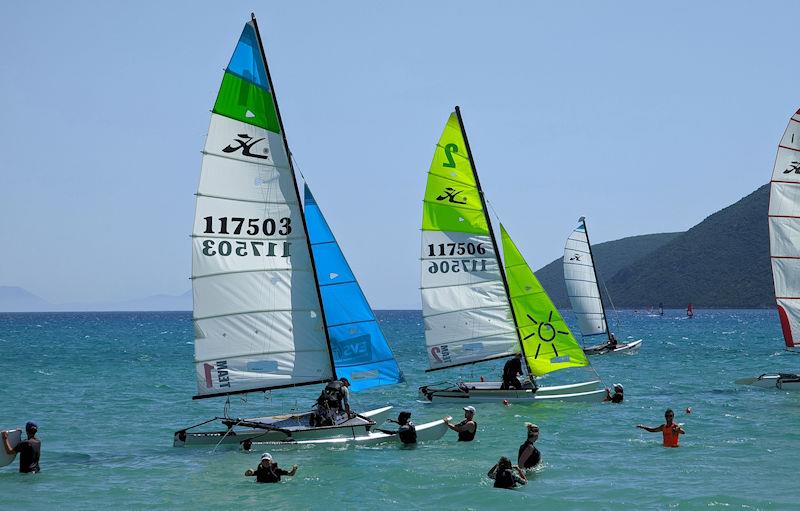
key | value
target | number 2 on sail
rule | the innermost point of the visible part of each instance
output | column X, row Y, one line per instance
column 449, row 149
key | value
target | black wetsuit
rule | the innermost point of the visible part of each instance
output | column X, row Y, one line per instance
column 29, row 451
column 616, row 398
column 533, row 459
column 407, row 433
column 510, row 371
column 272, row 474
column 467, row 436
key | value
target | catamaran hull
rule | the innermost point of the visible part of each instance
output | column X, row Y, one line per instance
column 601, row 349
column 427, row 432
column 482, row 392
column 773, row 381
column 235, row 437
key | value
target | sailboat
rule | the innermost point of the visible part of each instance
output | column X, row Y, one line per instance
column 262, row 319
column 690, row 311
column 660, row 309
column 474, row 308
column 784, row 246
column 580, row 277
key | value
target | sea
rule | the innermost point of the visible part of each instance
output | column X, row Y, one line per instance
column 108, row 391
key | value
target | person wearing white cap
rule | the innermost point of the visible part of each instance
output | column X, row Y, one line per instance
column 618, row 396
column 467, row 428
column 268, row 472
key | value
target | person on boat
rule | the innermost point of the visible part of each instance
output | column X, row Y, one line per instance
column 29, row 450
column 506, row 475
column 467, row 428
column 612, row 342
column 407, row 432
column 669, row 429
column 617, row 396
column 528, row 455
column 268, row 472
column 334, row 399
column 511, row 370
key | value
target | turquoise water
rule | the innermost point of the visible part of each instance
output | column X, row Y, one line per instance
column 109, row 389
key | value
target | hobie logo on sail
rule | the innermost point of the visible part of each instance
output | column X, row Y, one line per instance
column 451, row 195
column 245, row 143
column 355, row 350
column 793, row 167
column 222, row 374
column 441, row 354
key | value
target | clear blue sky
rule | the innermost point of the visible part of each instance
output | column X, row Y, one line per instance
column 644, row 117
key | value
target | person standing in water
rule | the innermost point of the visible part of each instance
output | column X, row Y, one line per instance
column 669, row 429
column 528, row 455
column 506, row 475
column 268, row 472
column 511, row 370
column 467, row 428
column 29, row 450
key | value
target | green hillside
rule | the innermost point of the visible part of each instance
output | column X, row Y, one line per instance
column 611, row 257
column 721, row 262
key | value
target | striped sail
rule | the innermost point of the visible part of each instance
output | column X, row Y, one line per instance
column 784, row 230
column 581, row 281
column 360, row 350
column 257, row 317
column 546, row 340
column 464, row 301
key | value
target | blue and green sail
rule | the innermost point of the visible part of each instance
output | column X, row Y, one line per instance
column 360, row 351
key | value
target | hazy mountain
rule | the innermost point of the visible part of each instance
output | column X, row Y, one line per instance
column 16, row 299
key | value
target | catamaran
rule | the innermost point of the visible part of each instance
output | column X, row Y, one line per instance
column 275, row 303
column 784, row 246
column 474, row 309
column 580, row 277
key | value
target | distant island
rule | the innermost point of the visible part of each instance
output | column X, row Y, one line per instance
column 722, row 262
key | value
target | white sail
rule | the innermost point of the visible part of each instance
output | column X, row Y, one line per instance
column 784, row 230
column 581, row 281
column 464, row 300
column 257, row 316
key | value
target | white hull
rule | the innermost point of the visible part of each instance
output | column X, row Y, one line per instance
column 14, row 438
column 427, row 432
column 490, row 392
column 773, row 381
column 627, row 348
column 291, row 427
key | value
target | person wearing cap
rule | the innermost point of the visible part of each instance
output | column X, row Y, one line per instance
column 268, row 472
column 334, row 399
column 511, row 370
column 618, row 396
column 528, row 455
column 29, row 450
column 467, row 428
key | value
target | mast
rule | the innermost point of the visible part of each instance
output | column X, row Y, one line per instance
column 596, row 279
column 296, row 192
column 491, row 235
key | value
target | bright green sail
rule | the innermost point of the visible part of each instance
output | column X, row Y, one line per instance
column 546, row 339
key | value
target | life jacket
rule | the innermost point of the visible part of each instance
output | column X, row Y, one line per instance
column 332, row 395
column 504, row 479
column 670, row 437
column 467, row 436
column 407, row 433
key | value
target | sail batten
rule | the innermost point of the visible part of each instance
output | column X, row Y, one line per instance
column 257, row 312
column 784, row 230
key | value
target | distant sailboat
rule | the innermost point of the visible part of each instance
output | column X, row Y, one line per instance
column 580, row 277
column 475, row 308
column 258, row 314
column 690, row 311
column 660, row 309
column 784, row 245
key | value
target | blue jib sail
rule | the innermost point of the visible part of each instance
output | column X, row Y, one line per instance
column 360, row 351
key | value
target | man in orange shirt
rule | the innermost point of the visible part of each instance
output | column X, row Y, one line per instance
column 670, row 430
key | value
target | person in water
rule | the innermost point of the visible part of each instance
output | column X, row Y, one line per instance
column 528, row 455
column 407, row 432
column 506, row 475
column 669, row 429
column 268, row 472
column 467, row 428
column 511, row 370
column 29, row 450
column 617, row 396
column 334, row 399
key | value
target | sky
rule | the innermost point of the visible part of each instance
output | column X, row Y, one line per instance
column 644, row 117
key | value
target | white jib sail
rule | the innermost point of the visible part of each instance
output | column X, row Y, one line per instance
column 581, row 282
column 784, row 230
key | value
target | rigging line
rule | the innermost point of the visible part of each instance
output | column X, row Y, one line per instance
column 297, row 166
column 608, row 295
